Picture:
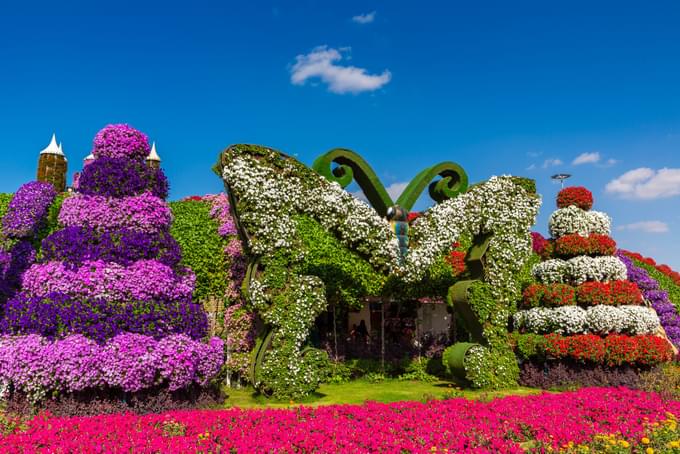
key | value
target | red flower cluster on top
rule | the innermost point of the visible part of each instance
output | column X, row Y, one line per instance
column 613, row 293
column 195, row 198
column 665, row 269
column 456, row 259
column 575, row 195
column 613, row 350
column 593, row 244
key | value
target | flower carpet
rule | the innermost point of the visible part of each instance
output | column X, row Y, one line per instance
column 568, row 421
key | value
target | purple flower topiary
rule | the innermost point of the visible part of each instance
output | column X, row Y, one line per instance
column 121, row 141
column 122, row 177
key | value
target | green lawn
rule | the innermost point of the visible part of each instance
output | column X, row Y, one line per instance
column 360, row 391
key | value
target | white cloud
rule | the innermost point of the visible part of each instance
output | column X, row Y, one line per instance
column 321, row 63
column 587, row 158
column 531, row 167
column 552, row 162
column 364, row 18
column 645, row 183
column 646, row 226
column 610, row 162
column 534, row 154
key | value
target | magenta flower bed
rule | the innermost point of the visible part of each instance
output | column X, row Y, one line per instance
column 27, row 209
column 459, row 425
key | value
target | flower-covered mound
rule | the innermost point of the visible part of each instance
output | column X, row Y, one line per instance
column 508, row 425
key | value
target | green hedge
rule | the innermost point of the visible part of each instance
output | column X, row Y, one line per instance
column 202, row 247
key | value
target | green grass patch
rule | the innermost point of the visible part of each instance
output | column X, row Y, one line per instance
column 360, row 391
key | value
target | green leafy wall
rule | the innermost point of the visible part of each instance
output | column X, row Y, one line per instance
column 202, row 247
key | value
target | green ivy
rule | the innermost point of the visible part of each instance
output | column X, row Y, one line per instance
column 202, row 247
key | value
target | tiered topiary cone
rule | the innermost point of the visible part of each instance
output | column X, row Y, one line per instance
column 109, row 307
column 583, row 303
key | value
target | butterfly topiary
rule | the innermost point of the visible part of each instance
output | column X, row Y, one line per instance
column 283, row 207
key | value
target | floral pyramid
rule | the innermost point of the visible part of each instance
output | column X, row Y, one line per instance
column 108, row 307
column 583, row 309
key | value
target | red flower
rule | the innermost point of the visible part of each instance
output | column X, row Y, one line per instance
column 559, row 295
column 413, row 215
column 593, row 244
column 592, row 293
column 575, row 195
column 613, row 350
column 533, row 295
column 457, row 261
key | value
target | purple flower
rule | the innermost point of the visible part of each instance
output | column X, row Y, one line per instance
column 144, row 280
column 131, row 362
column 57, row 315
column 13, row 264
column 28, row 209
column 121, row 141
column 122, row 177
column 76, row 245
column 668, row 314
column 143, row 213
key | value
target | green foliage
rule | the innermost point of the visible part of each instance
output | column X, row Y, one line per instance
column 527, row 184
column 418, row 370
column 202, row 247
column 527, row 345
column 346, row 276
column 493, row 365
column 665, row 282
column 524, row 277
column 664, row 380
column 5, row 198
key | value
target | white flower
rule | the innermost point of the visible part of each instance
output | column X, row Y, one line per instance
column 600, row 319
column 574, row 220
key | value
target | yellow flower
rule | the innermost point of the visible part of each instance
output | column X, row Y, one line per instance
column 624, row 443
column 645, row 441
column 674, row 444
column 649, row 451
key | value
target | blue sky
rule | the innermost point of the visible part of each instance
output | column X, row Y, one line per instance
column 508, row 87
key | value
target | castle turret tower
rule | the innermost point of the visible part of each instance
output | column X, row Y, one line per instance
column 52, row 165
column 153, row 160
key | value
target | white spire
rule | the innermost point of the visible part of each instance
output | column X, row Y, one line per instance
column 53, row 148
column 153, row 155
column 89, row 157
